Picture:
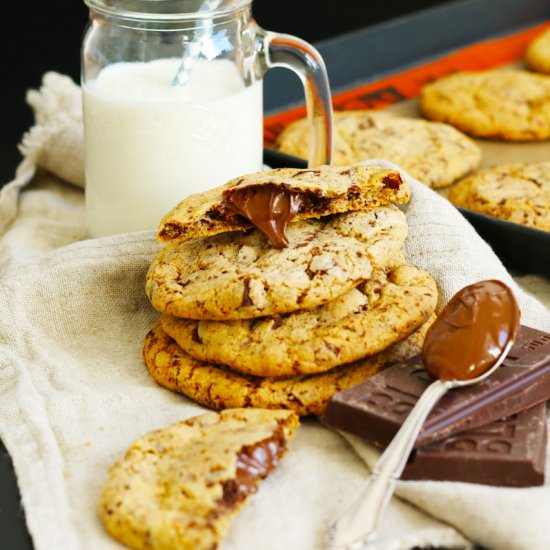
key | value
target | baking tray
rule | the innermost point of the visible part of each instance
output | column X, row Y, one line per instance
column 386, row 66
column 355, row 58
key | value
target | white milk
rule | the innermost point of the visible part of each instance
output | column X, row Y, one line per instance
column 150, row 144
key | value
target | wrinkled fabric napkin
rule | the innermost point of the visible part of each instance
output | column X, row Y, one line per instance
column 74, row 392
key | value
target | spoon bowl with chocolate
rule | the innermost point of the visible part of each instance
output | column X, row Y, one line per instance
column 469, row 340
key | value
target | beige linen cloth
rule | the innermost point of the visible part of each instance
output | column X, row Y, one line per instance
column 74, row 392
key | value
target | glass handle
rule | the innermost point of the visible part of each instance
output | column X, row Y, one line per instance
column 283, row 50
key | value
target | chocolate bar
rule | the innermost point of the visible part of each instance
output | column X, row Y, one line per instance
column 376, row 408
column 509, row 452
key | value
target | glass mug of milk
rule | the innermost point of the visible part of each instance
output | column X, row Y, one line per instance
column 172, row 96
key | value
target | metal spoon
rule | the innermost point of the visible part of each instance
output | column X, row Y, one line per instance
column 193, row 51
column 357, row 527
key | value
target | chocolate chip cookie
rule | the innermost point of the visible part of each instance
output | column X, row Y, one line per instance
column 293, row 195
column 538, row 53
column 507, row 104
column 179, row 488
column 436, row 154
column 362, row 322
column 218, row 387
column 241, row 276
column 519, row 193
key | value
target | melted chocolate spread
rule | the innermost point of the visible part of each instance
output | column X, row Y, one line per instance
column 471, row 332
column 254, row 462
column 269, row 208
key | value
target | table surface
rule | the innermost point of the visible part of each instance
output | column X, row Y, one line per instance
column 505, row 13
column 13, row 533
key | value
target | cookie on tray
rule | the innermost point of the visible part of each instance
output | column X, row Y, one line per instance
column 218, row 387
column 537, row 56
column 519, row 193
column 241, row 276
column 180, row 487
column 306, row 194
column 509, row 104
column 436, row 154
column 362, row 322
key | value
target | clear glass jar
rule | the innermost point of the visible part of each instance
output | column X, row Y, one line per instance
column 172, row 94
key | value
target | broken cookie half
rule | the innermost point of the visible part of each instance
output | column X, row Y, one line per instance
column 270, row 200
column 179, row 487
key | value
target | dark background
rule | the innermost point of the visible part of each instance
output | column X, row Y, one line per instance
column 47, row 35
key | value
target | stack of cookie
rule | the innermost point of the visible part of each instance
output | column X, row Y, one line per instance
column 282, row 288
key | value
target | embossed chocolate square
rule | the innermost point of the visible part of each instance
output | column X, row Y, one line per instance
column 376, row 408
column 510, row 452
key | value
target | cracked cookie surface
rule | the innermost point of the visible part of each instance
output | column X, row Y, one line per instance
column 180, row 487
column 538, row 53
column 241, row 276
column 436, row 154
column 218, row 387
column 519, row 193
column 506, row 104
column 364, row 321
column 326, row 190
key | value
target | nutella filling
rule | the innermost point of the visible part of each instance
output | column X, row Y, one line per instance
column 471, row 332
column 268, row 208
column 254, row 462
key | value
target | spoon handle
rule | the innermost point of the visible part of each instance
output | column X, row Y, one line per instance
column 193, row 51
column 358, row 525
